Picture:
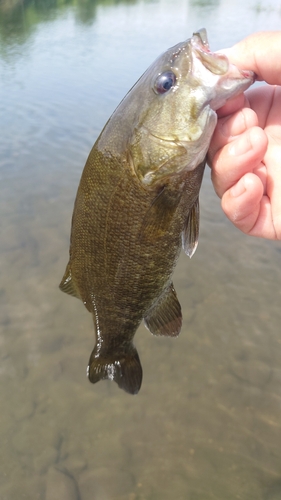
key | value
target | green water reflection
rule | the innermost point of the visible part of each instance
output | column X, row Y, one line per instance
column 19, row 18
column 204, row 3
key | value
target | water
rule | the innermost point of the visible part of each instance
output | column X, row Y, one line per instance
column 206, row 423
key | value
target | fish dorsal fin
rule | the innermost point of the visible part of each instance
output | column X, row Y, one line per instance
column 160, row 213
column 67, row 285
column 164, row 317
column 191, row 230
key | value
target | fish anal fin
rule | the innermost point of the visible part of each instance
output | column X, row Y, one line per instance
column 66, row 285
column 164, row 317
column 123, row 367
column 190, row 232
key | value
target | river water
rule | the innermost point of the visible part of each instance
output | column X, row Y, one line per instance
column 206, row 424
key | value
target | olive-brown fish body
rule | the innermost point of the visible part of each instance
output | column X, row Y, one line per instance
column 137, row 204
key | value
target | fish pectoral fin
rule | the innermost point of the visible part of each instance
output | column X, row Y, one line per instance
column 158, row 217
column 164, row 317
column 123, row 367
column 66, row 285
column 190, row 232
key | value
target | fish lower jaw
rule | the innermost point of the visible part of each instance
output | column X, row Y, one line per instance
column 233, row 84
column 192, row 134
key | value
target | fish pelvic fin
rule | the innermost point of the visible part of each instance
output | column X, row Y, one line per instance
column 164, row 317
column 190, row 233
column 123, row 367
column 67, row 285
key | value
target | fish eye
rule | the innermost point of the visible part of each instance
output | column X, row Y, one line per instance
column 164, row 82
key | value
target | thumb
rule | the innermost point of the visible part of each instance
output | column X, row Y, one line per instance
column 259, row 52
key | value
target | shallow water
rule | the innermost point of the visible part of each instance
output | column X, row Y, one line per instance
column 206, row 423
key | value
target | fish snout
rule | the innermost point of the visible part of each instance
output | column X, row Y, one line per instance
column 218, row 78
column 214, row 62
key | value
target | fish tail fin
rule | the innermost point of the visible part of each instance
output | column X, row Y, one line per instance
column 124, row 368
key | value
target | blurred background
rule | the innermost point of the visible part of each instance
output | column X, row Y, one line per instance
column 206, row 424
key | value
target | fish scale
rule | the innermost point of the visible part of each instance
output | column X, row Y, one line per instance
column 138, row 203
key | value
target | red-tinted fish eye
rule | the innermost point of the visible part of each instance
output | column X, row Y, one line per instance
column 164, row 82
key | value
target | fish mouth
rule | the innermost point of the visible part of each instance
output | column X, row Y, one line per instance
column 217, row 63
column 226, row 78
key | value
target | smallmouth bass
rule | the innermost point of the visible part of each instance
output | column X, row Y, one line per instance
column 137, row 202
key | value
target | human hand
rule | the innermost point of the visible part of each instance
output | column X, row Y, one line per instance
column 245, row 151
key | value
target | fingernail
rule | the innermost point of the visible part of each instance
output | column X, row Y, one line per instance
column 238, row 189
column 240, row 146
column 234, row 125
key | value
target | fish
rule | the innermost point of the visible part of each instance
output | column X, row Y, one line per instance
column 137, row 203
